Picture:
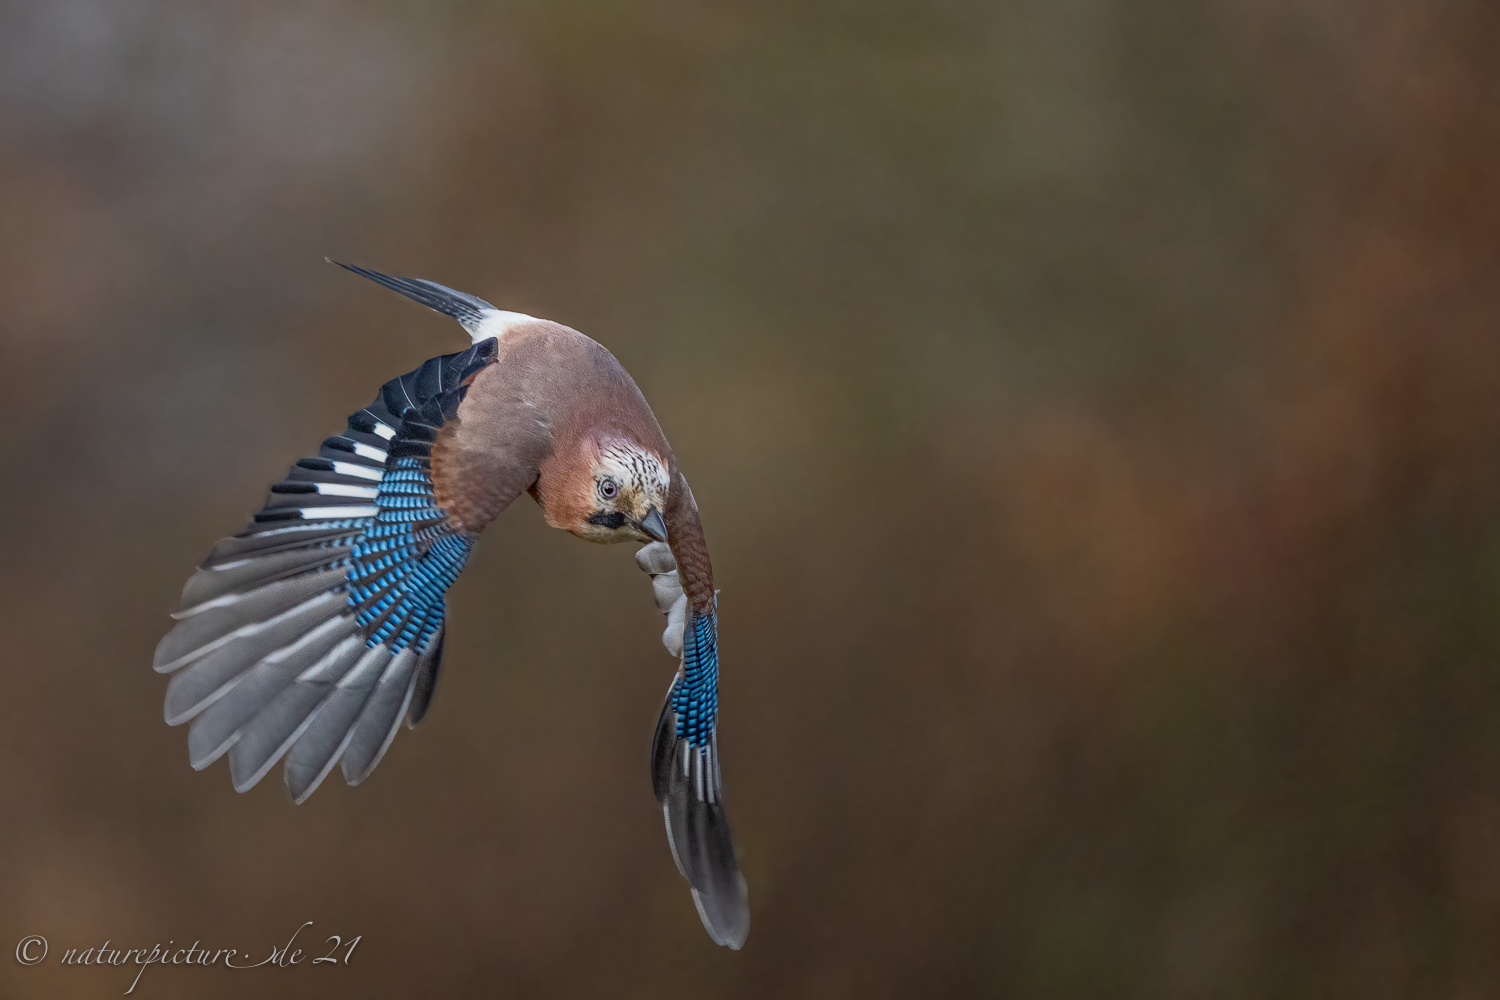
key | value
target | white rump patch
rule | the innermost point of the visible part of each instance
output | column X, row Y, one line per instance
column 496, row 323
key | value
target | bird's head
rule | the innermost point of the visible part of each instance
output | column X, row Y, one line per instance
column 624, row 495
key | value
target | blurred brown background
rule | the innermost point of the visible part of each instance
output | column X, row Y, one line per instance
column 1095, row 411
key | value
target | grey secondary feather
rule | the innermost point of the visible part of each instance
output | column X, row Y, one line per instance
column 425, row 682
column 380, row 718
column 276, row 727
column 207, row 626
column 196, row 686
column 221, row 723
column 332, row 726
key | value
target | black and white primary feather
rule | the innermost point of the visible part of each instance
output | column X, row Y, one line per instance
column 313, row 631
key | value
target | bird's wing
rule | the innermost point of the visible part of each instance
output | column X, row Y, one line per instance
column 685, row 753
column 315, row 629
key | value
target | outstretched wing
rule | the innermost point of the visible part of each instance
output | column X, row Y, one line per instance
column 685, row 753
column 315, row 629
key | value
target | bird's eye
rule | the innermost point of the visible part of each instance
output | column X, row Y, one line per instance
column 608, row 489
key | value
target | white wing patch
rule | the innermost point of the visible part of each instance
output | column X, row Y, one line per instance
column 358, row 471
column 342, row 490
column 337, row 513
column 373, row 454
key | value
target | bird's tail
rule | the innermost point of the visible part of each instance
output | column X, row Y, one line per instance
column 468, row 309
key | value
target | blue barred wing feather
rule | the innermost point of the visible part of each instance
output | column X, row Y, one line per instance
column 686, row 777
column 312, row 632
column 696, row 695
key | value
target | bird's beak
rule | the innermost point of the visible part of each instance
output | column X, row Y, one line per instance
column 653, row 525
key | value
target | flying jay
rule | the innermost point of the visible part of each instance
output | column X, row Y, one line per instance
column 310, row 634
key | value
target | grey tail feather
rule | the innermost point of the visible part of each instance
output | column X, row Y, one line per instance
column 687, row 784
column 467, row 309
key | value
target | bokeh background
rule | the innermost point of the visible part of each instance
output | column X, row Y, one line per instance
column 1095, row 411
